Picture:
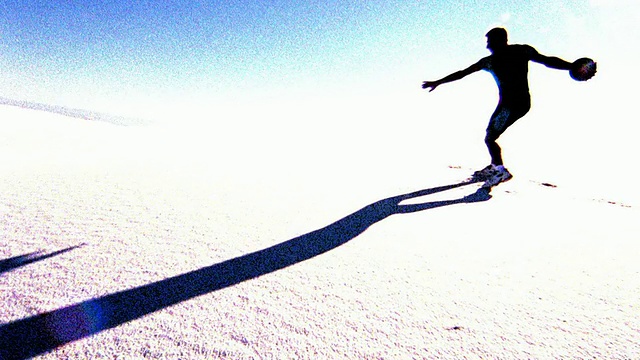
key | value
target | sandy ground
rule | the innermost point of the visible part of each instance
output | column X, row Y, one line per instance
column 132, row 242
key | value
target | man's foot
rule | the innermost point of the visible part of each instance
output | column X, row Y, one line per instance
column 501, row 175
column 485, row 174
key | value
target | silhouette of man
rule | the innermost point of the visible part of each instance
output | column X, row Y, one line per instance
column 509, row 65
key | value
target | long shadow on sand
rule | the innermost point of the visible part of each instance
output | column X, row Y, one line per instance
column 22, row 260
column 44, row 332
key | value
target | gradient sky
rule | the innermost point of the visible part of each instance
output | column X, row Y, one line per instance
column 146, row 57
column 333, row 70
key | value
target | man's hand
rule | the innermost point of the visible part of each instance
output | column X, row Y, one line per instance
column 430, row 84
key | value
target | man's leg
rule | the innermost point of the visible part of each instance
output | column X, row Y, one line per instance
column 497, row 125
column 502, row 118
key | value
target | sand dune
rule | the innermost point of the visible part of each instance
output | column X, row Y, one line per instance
column 72, row 112
column 143, row 242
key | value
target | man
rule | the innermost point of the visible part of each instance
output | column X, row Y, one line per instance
column 509, row 66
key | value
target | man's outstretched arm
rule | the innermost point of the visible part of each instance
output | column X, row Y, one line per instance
column 551, row 62
column 452, row 77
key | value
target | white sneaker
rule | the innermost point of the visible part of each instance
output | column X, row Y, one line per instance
column 502, row 175
column 485, row 174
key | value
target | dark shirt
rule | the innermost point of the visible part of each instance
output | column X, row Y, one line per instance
column 509, row 67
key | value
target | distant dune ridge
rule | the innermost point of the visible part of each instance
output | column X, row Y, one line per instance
column 75, row 113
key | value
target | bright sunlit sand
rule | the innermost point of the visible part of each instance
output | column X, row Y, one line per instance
column 144, row 242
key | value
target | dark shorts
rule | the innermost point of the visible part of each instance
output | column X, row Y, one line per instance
column 505, row 115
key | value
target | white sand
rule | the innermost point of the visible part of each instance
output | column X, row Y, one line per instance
column 534, row 272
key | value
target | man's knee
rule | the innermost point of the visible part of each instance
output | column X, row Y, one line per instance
column 491, row 138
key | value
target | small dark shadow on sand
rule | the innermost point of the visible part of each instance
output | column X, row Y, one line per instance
column 42, row 333
column 23, row 260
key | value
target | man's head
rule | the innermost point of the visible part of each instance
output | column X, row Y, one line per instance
column 496, row 39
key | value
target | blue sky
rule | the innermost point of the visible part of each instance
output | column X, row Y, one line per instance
column 142, row 57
